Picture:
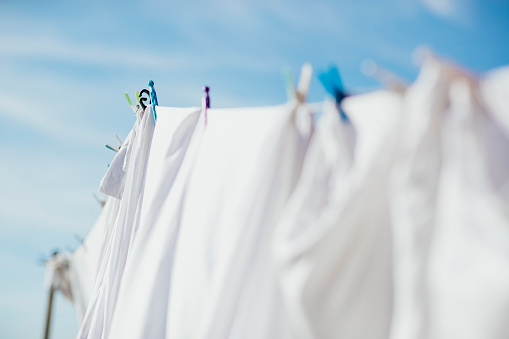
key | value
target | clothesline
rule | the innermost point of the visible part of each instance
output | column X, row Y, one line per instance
column 269, row 222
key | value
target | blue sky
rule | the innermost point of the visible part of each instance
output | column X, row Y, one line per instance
column 65, row 65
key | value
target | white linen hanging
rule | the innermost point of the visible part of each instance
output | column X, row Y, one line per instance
column 469, row 263
column 144, row 292
column 333, row 241
column 224, row 282
column 84, row 261
column 100, row 310
column 414, row 185
column 113, row 181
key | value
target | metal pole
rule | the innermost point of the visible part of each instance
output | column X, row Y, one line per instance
column 48, row 313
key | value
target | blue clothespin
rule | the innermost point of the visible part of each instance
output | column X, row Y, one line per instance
column 153, row 98
column 332, row 83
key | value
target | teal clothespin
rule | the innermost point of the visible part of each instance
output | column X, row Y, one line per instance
column 331, row 81
column 153, row 98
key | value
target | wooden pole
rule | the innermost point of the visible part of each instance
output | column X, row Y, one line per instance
column 48, row 313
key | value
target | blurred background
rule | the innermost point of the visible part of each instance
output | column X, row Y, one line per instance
column 64, row 67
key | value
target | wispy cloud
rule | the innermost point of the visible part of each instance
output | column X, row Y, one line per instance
column 458, row 11
column 90, row 54
column 39, row 118
column 445, row 8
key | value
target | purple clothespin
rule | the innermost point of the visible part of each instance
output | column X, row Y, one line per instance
column 206, row 89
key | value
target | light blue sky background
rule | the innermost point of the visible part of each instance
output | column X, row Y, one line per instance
column 65, row 65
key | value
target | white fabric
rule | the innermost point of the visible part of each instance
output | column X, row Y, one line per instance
column 469, row 263
column 113, row 181
column 333, row 242
column 84, row 261
column 395, row 225
column 102, row 304
column 144, row 293
column 57, row 275
column 415, row 182
column 224, row 283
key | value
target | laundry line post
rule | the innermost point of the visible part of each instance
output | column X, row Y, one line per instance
column 48, row 312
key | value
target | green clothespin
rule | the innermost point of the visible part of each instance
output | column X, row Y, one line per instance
column 289, row 82
column 136, row 108
column 128, row 99
column 299, row 93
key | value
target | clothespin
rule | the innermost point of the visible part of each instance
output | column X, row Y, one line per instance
column 289, row 83
column 101, row 202
column 205, row 102
column 116, row 149
column 299, row 94
column 137, row 97
column 384, row 76
column 206, row 90
column 153, row 98
column 112, row 148
column 306, row 72
column 43, row 259
column 119, row 141
column 331, row 81
column 136, row 108
column 142, row 99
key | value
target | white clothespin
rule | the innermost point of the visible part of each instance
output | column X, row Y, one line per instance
column 423, row 54
column 306, row 72
column 303, row 117
column 387, row 78
column 116, row 149
column 300, row 94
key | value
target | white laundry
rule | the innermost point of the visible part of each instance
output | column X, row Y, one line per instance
column 333, row 242
column 414, row 185
column 224, row 281
column 57, row 275
column 251, row 224
column 84, row 261
column 113, row 181
column 144, row 293
column 469, row 262
column 102, row 304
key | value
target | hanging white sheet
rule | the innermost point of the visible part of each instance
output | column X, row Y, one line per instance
column 102, row 304
column 144, row 293
column 224, row 283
